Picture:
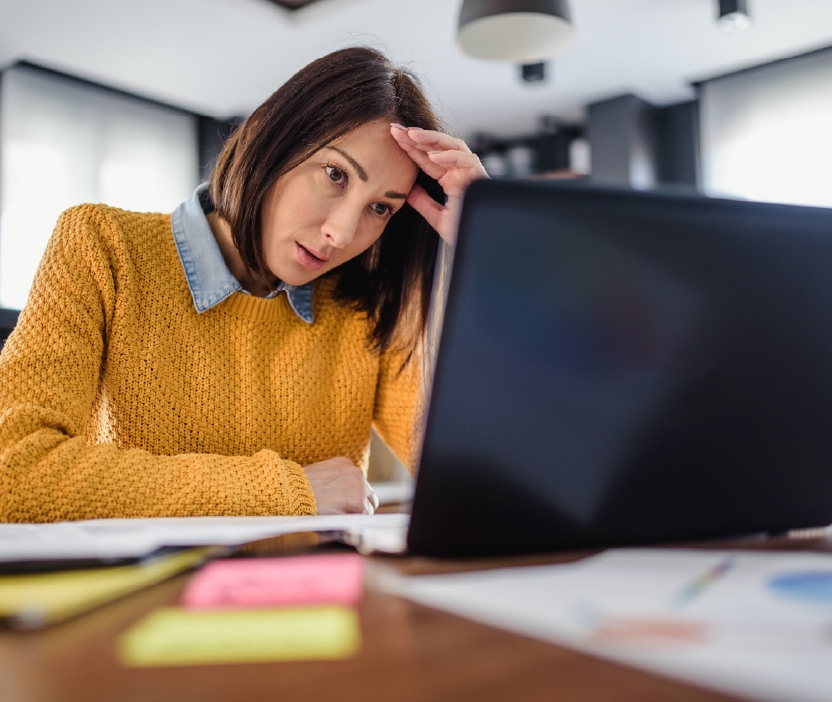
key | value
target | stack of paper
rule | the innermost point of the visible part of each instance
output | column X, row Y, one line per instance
column 118, row 539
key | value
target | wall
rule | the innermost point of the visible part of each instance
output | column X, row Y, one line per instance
column 635, row 144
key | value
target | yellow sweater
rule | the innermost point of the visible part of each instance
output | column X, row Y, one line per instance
column 117, row 399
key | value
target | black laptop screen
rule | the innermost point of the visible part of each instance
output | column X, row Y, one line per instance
column 619, row 367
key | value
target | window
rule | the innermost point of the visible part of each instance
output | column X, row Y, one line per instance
column 765, row 132
column 65, row 142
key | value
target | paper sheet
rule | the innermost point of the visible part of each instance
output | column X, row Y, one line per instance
column 118, row 538
column 755, row 624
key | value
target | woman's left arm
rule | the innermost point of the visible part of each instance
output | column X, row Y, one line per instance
column 399, row 407
column 447, row 160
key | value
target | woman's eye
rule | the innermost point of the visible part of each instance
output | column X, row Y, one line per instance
column 382, row 209
column 336, row 175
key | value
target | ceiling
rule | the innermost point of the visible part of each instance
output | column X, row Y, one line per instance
column 222, row 57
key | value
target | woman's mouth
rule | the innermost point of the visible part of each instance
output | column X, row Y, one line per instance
column 309, row 259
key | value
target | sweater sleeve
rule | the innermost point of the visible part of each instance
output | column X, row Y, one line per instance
column 400, row 406
column 50, row 369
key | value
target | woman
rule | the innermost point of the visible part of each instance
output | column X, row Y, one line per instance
column 231, row 358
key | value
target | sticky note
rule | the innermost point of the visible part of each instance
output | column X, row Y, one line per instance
column 271, row 582
column 38, row 599
column 175, row 636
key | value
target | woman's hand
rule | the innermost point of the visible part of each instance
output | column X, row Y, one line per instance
column 340, row 487
column 447, row 160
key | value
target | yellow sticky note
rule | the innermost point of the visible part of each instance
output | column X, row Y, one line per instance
column 39, row 599
column 176, row 636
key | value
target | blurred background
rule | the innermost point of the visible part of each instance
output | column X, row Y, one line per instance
column 127, row 102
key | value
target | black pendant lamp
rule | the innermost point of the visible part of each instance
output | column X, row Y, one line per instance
column 521, row 31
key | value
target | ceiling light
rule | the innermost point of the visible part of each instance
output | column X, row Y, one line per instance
column 522, row 31
column 533, row 72
column 733, row 15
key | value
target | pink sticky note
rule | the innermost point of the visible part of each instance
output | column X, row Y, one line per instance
column 274, row 582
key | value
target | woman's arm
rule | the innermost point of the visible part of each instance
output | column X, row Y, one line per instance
column 50, row 372
column 400, row 406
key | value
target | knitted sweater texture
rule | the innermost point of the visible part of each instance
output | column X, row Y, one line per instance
column 118, row 399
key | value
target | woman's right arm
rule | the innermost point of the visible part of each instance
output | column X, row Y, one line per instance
column 49, row 375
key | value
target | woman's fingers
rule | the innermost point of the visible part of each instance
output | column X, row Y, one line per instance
column 427, row 139
column 437, row 153
column 340, row 487
column 460, row 168
column 426, row 206
column 447, row 160
column 418, row 153
column 424, row 145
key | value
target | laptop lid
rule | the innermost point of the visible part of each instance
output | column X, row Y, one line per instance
column 621, row 367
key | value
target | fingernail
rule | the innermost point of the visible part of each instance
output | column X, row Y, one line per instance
column 398, row 126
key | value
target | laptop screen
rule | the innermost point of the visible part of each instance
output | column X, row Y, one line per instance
column 621, row 367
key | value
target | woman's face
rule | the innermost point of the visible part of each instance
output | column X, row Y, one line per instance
column 335, row 204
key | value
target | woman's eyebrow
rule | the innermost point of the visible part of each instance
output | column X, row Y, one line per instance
column 357, row 166
column 363, row 174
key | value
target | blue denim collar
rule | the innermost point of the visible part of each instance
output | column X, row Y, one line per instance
column 209, row 279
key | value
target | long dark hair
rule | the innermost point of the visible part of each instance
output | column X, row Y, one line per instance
column 391, row 282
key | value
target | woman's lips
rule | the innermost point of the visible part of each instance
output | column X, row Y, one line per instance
column 308, row 259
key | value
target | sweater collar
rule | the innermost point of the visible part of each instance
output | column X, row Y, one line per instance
column 209, row 279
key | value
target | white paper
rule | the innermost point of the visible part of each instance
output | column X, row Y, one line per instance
column 130, row 538
column 394, row 492
column 757, row 624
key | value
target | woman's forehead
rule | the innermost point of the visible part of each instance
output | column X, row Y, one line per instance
column 373, row 152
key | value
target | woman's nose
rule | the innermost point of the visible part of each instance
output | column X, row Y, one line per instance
column 341, row 225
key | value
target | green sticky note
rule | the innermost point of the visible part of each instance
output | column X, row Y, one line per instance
column 175, row 636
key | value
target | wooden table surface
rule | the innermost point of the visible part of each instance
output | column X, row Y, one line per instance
column 408, row 652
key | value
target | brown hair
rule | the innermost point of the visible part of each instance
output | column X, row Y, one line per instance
column 391, row 282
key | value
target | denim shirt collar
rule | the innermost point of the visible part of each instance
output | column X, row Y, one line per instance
column 209, row 279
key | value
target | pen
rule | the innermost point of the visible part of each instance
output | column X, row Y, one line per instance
column 695, row 587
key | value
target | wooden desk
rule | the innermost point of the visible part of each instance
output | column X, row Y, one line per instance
column 409, row 652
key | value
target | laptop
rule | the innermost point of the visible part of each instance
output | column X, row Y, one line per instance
column 627, row 368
